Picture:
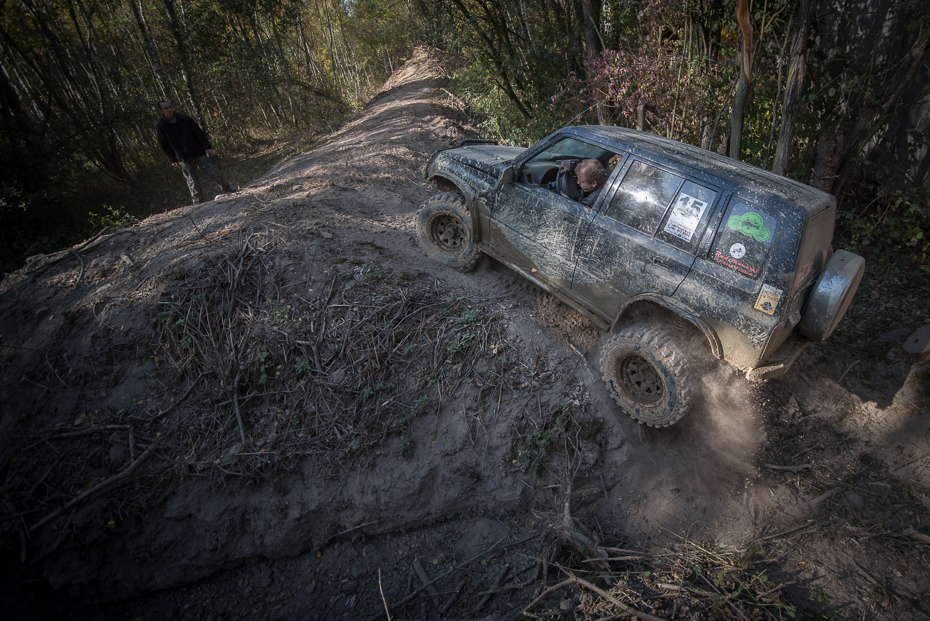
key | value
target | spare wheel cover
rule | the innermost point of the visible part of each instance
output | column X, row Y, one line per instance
column 832, row 295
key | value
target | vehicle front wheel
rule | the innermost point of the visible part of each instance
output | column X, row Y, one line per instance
column 647, row 375
column 444, row 231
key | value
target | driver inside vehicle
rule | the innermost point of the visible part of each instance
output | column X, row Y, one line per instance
column 591, row 179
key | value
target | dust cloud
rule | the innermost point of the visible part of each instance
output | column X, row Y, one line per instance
column 685, row 480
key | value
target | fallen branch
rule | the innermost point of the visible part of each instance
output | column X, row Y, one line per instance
column 794, row 469
column 541, row 596
column 116, row 478
column 790, row 531
column 235, row 400
column 686, row 589
column 825, row 496
column 425, row 579
column 913, row 534
column 63, row 253
column 85, row 432
column 495, row 588
column 848, row 369
column 451, row 600
column 383, row 600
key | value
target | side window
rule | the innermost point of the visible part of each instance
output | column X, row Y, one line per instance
column 744, row 238
column 642, row 198
column 682, row 224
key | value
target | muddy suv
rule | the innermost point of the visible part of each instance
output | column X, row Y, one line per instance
column 680, row 242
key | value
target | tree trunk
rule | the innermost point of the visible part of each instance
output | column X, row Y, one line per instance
column 174, row 24
column 829, row 152
column 880, row 109
column 795, row 86
column 496, row 56
column 745, row 80
column 593, row 45
column 149, row 45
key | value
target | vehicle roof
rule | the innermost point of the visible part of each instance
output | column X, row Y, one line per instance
column 734, row 172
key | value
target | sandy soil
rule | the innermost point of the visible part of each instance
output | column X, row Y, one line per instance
column 228, row 505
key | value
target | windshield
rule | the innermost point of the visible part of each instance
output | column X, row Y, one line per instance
column 571, row 149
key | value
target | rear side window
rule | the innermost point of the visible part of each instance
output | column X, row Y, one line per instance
column 684, row 222
column 642, row 198
column 744, row 238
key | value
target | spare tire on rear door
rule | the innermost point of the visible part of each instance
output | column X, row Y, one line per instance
column 831, row 295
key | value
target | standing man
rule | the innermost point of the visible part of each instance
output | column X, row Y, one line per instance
column 187, row 146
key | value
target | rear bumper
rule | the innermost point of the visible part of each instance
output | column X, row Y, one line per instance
column 781, row 361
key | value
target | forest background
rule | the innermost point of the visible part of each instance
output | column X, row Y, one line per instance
column 833, row 93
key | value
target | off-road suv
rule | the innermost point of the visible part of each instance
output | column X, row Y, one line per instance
column 679, row 239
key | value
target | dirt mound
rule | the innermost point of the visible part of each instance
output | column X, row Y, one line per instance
column 277, row 391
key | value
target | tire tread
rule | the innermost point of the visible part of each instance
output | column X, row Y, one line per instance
column 452, row 203
column 668, row 354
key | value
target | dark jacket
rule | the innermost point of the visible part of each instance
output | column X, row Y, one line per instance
column 182, row 140
column 590, row 197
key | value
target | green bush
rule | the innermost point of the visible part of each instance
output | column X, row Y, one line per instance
column 887, row 221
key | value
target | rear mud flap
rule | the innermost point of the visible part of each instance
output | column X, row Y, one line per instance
column 786, row 356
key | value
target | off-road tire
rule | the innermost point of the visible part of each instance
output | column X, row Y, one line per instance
column 647, row 375
column 445, row 233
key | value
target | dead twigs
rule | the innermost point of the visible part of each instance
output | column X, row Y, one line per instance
column 790, row 531
column 331, row 373
column 613, row 600
column 183, row 397
column 58, row 256
column 660, row 583
column 116, row 478
column 458, row 567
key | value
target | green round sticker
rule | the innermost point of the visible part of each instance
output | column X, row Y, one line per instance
column 750, row 224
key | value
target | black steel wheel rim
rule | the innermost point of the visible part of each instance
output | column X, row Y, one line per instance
column 448, row 233
column 641, row 380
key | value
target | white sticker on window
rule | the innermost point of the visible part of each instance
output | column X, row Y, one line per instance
column 685, row 217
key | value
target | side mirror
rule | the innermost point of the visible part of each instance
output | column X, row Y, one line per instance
column 506, row 176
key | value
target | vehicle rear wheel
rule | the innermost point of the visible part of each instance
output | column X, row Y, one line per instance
column 444, row 231
column 647, row 375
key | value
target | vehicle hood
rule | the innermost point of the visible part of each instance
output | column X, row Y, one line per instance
column 485, row 158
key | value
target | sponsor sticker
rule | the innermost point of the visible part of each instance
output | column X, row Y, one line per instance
column 737, row 251
column 735, row 264
column 750, row 224
column 768, row 299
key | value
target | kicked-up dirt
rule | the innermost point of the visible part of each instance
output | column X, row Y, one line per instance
column 274, row 406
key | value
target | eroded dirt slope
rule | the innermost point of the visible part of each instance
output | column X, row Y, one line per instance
column 273, row 403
